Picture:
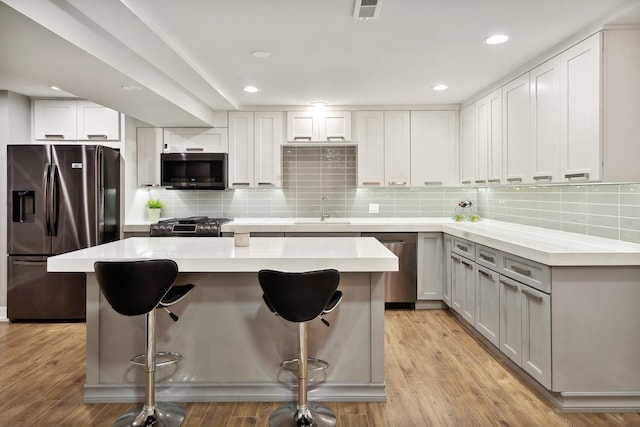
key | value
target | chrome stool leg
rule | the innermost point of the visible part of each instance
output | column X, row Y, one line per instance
column 152, row 414
column 302, row 413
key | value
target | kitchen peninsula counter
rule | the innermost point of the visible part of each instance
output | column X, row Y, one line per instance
column 231, row 343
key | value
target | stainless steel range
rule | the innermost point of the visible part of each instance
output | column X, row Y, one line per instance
column 195, row 226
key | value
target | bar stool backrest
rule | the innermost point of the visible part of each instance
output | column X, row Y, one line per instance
column 299, row 297
column 135, row 287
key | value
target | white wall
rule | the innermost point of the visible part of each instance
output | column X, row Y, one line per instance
column 15, row 128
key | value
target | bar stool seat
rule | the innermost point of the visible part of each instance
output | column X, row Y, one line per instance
column 300, row 298
column 133, row 288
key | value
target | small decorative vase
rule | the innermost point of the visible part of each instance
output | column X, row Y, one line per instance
column 153, row 214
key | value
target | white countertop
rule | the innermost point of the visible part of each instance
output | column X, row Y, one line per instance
column 215, row 254
column 550, row 247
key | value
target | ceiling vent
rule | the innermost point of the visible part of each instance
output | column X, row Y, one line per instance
column 367, row 9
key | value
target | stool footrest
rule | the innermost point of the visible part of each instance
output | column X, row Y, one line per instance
column 163, row 358
column 313, row 364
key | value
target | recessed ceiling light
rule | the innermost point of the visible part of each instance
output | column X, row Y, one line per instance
column 496, row 39
column 261, row 54
column 440, row 87
column 250, row 89
column 54, row 87
column 130, row 88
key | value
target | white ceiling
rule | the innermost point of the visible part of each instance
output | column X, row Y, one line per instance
column 194, row 56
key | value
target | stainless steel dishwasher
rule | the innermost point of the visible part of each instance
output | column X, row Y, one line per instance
column 400, row 287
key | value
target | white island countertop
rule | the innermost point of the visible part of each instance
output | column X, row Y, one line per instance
column 218, row 254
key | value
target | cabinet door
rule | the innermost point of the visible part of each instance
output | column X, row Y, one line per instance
column 268, row 138
column 536, row 334
column 489, row 139
column 196, row 140
column 149, row 148
column 430, row 266
column 369, row 134
column 511, row 320
column 468, row 144
column 545, row 121
column 397, row 149
column 446, row 291
column 516, row 130
column 433, row 148
column 469, row 312
column 54, row 120
column 241, row 148
column 580, row 156
column 97, row 123
column 458, row 283
column 488, row 304
column 302, row 126
column 335, row 126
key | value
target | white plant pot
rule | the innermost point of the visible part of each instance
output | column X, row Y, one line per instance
column 153, row 214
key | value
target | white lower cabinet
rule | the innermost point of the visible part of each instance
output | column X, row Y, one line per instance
column 430, row 266
column 488, row 304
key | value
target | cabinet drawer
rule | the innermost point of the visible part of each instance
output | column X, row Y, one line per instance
column 488, row 257
column 528, row 272
column 463, row 247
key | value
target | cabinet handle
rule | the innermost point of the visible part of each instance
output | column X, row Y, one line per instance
column 521, row 270
column 241, row 183
column 532, row 295
column 339, row 138
column 480, row 181
column 465, row 182
column 510, row 285
column 265, row 183
column 542, row 177
column 42, row 263
column 485, row 274
column 463, row 248
column 583, row 175
column 53, row 135
column 465, row 263
column 195, row 149
column 487, row 258
column 454, row 258
column 370, row 182
column 433, row 183
column 97, row 136
column 514, row 179
column 397, row 182
column 494, row 181
column 302, row 138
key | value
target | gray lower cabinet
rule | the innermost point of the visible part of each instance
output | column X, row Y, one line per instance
column 488, row 304
column 446, row 290
column 463, row 287
column 429, row 266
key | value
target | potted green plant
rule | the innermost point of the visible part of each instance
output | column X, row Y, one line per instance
column 154, row 207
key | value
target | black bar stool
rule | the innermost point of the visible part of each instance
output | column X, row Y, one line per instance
column 300, row 298
column 133, row 288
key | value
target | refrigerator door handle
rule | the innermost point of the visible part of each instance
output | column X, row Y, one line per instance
column 47, row 198
column 54, row 200
column 99, row 199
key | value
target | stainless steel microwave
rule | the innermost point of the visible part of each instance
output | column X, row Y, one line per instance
column 197, row 171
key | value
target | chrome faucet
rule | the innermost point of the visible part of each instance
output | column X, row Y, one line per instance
column 323, row 214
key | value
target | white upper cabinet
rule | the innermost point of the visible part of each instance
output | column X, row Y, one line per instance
column 434, row 137
column 254, row 149
column 55, row 120
column 318, row 126
column 468, row 145
column 516, row 130
column 369, row 134
column 546, row 102
column 580, row 155
column 149, row 148
column 268, row 129
column 397, row 149
column 196, row 140
column 241, row 148
column 97, row 123
column 489, row 139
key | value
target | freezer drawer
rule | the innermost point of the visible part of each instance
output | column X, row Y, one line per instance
column 35, row 294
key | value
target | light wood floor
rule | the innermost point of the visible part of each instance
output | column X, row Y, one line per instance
column 436, row 375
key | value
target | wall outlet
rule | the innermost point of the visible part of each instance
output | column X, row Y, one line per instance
column 374, row 208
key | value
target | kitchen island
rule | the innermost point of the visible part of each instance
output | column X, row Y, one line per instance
column 231, row 343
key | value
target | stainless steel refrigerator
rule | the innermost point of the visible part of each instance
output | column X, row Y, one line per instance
column 61, row 198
